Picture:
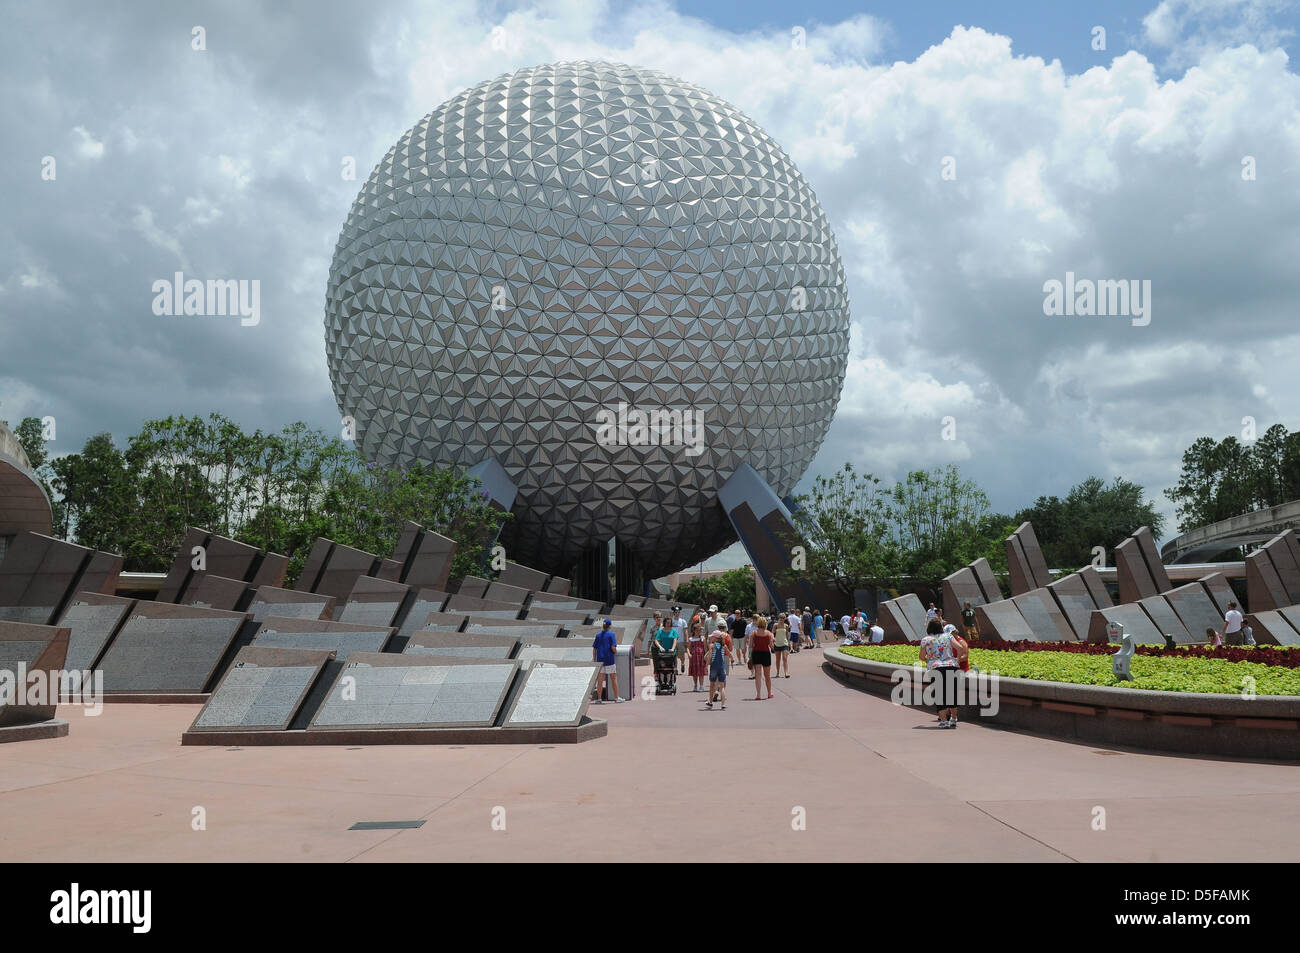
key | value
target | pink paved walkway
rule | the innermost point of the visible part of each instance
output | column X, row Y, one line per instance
column 670, row 782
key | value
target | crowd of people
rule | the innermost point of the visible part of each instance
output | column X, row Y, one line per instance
column 708, row 645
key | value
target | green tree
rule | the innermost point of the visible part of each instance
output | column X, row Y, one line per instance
column 1093, row 513
column 1266, row 465
column 274, row 491
column 31, row 436
column 942, row 522
column 845, row 524
column 97, row 503
column 733, row 589
column 1218, row 481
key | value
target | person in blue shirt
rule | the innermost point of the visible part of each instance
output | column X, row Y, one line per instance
column 603, row 654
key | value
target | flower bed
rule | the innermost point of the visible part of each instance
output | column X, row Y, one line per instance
column 1279, row 656
column 1179, row 670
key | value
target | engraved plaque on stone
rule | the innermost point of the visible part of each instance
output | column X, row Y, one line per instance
column 262, row 689
column 460, row 645
column 271, row 601
column 415, row 691
column 92, row 619
column 552, row 696
column 1166, row 621
column 341, row 638
column 1194, row 609
column 167, row 648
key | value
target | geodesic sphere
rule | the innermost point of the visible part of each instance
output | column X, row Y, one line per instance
column 564, row 239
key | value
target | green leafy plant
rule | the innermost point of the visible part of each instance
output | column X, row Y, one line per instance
column 1167, row 673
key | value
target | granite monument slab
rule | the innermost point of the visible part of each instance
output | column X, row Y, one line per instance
column 374, row 601
column 459, row 644
column 891, row 617
column 415, row 691
column 1195, row 609
column 1284, row 562
column 1039, row 573
column 425, row 603
column 988, row 583
column 26, row 649
column 1135, row 580
column 1043, row 616
column 1220, row 592
column 501, row 592
column 482, row 607
column 444, row 621
column 1135, row 620
column 163, row 648
column 522, row 577
column 553, row 650
column 274, row 602
column 209, row 591
column 473, row 587
column 524, row 630
column 1002, row 622
column 341, row 638
column 1018, row 572
column 1264, row 588
column 1096, row 587
column 262, row 689
column 1272, row 628
column 552, row 696
column 1151, row 556
column 960, row 588
column 429, row 565
column 1291, row 614
column 92, row 620
column 567, row 617
column 1167, row 622
column 1075, row 602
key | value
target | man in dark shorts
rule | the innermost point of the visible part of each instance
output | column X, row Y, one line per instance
column 738, row 626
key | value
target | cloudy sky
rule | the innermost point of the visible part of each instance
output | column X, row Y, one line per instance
column 964, row 158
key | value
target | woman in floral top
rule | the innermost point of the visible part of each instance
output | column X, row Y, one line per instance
column 943, row 654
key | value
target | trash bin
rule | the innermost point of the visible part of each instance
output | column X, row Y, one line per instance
column 625, row 668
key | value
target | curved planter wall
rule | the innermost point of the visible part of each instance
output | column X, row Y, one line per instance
column 1266, row 727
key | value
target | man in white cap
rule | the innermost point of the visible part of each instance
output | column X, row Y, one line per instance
column 679, row 623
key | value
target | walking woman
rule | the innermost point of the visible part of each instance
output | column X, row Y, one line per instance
column 781, row 647
column 717, row 668
column 698, row 650
column 760, row 657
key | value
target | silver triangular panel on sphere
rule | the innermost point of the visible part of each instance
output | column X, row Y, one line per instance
column 572, row 237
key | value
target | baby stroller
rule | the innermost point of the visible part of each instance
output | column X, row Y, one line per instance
column 665, row 667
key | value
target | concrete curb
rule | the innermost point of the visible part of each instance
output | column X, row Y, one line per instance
column 34, row 731
column 589, row 729
column 1265, row 727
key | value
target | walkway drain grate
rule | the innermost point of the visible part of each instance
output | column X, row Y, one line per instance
column 385, row 825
